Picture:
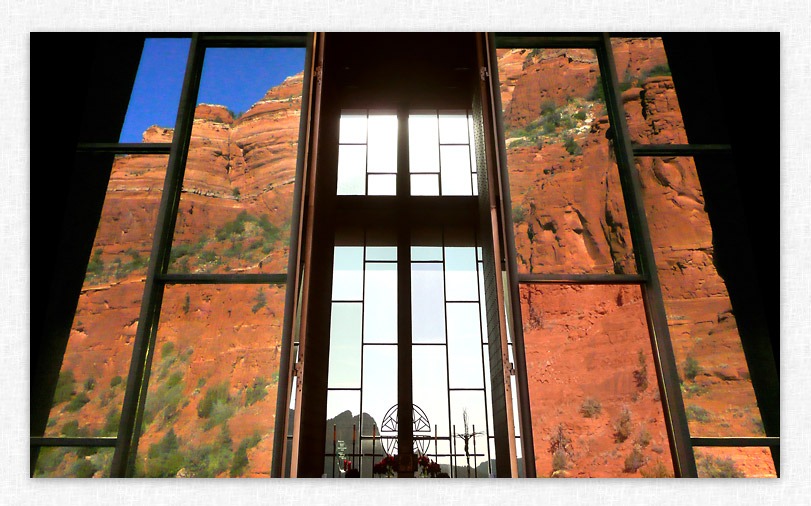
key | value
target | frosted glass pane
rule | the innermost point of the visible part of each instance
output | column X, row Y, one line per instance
column 353, row 127
column 427, row 303
column 423, row 142
column 453, row 127
column 379, row 383
column 382, row 184
column 380, row 316
column 430, row 385
column 382, row 142
column 460, row 274
column 425, row 184
column 351, row 170
column 347, row 276
column 464, row 345
column 344, row 345
column 455, row 170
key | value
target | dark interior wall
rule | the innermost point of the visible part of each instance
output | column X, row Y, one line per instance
column 80, row 87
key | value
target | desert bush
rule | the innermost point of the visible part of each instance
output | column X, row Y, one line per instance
column 641, row 371
column 77, row 402
column 519, row 214
column 111, row 422
column 115, row 381
column 691, row 368
column 643, row 437
column 70, row 429
column 235, row 193
column 717, row 467
column 256, row 392
column 261, row 301
column 657, row 470
column 591, row 408
column 164, row 458
column 697, row 413
column 82, row 468
column 622, row 425
column 95, row 266
column 240, row 461
column 89, row 384
column 65, row 387
column 186, row 304
column 559, row 461
column 634, row 460
column 580, row 115
column 572, row 147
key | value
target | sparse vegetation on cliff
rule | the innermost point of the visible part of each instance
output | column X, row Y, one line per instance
column 717, row 467
column 622, row 425
column 591, row 408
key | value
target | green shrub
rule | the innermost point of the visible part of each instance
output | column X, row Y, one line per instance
column 164, row 458
column 580, row 115
column 559, row 461
column 167, row 349
column 572, row 147
column 111, row 422
column 697, row 413
column 65, row 387
column 261, row 301
column 691, row 368
column 591, row 408
column 234, row 250
column 209, row 256
column 597, row 94
column 622, row 425
column 77, row 402
column 256, row 392
column 115, row 381
column 70, row 429
column 218, row 394
column 717, row 467
column 519, row 214
column 82, row 468
column 95, row 267
column 89, row 384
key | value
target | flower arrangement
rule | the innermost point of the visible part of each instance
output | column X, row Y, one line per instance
column 385, row 466
column 427, row 467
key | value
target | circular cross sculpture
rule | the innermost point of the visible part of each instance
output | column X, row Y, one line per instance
column 422, row 430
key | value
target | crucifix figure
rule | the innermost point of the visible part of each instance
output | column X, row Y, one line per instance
column 466, row 437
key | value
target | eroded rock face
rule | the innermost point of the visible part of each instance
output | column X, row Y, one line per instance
column 569, row 218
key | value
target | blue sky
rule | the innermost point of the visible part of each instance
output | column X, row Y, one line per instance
column 236, row 78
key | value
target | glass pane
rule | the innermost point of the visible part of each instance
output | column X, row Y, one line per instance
column 717, row 389
column 430, row 385
column 423, row 142
column 425, row 184
column 382, row 141
column 455, row 174
column 468, row 418
column 342, row 430
column 382, row 184
column 351, row 170
column 461, row 278
column 749, row 462
column 347, row 274
column 427, row 303
column 380, row 300
column 379, row 384
column 353, row 127
column 344, row 345
column 464, row 345
column 90, row 390
column 595, row 406
column 453, row 127
column 567, row 204
column 85, row 462
column 156, row 91
column 237, row 199
column 213, row 383
column 648, row 95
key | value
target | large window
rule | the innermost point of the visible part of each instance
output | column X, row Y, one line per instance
column 307, row 256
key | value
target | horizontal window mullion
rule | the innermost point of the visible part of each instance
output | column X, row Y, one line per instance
column 126, row 148
column 681, row 149
column 74, row 441
column 211, row 279
column 735, row 441
column 583, row 279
